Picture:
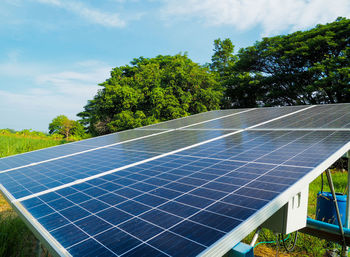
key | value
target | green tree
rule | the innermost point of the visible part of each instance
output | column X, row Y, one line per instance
column 223, row 58
column 150, row 90
column 66, row 127
column 240, row 87
column 305, row 67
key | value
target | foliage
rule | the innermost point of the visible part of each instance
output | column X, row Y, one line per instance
column 15, row 237
column 61, row 125
column 241, row 88
column 16, row 143
column 151, row 90
column 308, row 67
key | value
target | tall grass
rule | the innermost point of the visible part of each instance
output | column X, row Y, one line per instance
column 16, row 240
column 13, row 144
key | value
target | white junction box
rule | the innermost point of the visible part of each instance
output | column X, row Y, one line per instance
column 292, row 216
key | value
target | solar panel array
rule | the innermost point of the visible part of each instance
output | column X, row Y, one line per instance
column 192, row 186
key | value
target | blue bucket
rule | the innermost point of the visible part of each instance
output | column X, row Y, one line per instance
column 325, row 209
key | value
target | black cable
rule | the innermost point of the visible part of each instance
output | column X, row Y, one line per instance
column 290, row 248
column 322, row 182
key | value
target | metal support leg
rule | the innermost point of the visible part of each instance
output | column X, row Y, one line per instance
column 38, row 248
column 330, row 182
column 347, row 215
column 255, row 237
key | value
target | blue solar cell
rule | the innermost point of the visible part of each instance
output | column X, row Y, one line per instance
column 114, row 216
column 161, row 218
column 178, row 209
column 53, row 221
column 93, row 225
column 90, row 248
column 133, row 207
column 118, row 241
column 144, row 250
column 74, row 213
column 93, row 205
column 175, row 245
column 216, row 221
column 198, row 233
column 69, row 235
column 150, row 200
column 140, row 229
column 111, row 198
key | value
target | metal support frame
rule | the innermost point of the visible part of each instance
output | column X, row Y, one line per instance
column 38, row 248
column 347, row 215
column 330, row 182
column 255, row 237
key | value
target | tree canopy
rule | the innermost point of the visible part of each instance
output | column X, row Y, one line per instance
column 305, row 67
column 63, row 126
column 150, row 90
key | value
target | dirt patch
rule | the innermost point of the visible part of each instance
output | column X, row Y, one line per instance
column 264, row 251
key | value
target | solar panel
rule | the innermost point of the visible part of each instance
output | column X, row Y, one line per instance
column 333, row 116
column 181, row 192
column 195, row 119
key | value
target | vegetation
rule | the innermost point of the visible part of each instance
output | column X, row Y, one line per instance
column 305, row 67
column 12, row 142
column 69, row 129
column 151, row 90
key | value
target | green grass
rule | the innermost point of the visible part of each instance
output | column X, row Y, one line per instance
column 14, row 144
column 15, row 237
column 16, row 240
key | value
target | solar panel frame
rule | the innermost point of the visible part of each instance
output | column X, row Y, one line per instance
column 222, row 245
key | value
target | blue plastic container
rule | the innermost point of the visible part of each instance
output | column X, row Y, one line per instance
column 325, row 209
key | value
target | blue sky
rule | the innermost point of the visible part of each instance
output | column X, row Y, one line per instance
column 53, row 53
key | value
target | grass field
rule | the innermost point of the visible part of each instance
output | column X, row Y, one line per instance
column 10, row 145
column 17, row 240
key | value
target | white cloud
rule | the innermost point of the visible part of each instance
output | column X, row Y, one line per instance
column 273, row 16
column 93, row 15
column 43, row 92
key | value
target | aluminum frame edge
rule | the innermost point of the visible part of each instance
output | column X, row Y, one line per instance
column 55, row 248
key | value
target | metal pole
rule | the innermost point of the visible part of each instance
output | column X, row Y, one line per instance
column 347, row 215
column 38, row 248
column 255, row 237
column 330, row 182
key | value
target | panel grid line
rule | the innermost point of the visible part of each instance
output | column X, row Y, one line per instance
column 157, row 157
